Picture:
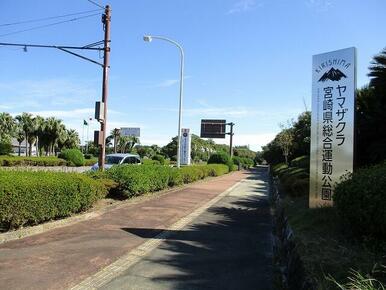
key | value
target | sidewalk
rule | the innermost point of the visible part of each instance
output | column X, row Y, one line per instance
column 227, row 247
column 62, row 258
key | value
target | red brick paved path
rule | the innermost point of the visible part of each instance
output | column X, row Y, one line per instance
column 63, row 257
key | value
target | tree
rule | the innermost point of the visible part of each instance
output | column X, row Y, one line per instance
column 54, row 129
column 19, row 138
column 378, row 72
column 285, row 140
column 301, row 130
column 7, row 126
column 115, row 133
column 25, row 122
column 170, row 149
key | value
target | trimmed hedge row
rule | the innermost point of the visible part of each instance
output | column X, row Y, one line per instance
column 10, row 161
column 31, row 161
column 28, row 197
column 132, row 180
column 244, row 162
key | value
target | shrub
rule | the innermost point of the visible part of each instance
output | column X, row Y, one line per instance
column 74, row 156
column 302, row 162
column 31, row 161
column 221, row 158
column 159, row 158
column 90, row 162
column 147, row 161
column 88, row 156
column 360, row 199
column 5, row 148
column 28, row 197
column 134, row 180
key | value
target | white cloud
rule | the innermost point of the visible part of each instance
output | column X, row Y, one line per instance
column 244, row 6
column 254, row 141
column 54, row 92
column 320, row 5
column 171, row 82
column 167, row 83
column 236, row 112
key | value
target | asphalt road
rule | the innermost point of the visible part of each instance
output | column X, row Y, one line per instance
column 226, row 247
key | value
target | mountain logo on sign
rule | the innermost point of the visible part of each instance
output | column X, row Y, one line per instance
column 333, row 75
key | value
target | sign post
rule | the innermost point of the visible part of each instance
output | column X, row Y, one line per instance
column 185, row 147
column 332, row 122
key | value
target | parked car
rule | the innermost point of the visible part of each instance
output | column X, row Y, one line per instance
column 119, row 158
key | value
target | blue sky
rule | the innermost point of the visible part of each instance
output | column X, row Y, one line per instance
column 247, row 61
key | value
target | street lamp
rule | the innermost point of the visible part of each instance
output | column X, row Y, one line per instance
column 149, row 38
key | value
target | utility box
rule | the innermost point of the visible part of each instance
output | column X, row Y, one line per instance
column 99, row 111
column 98, row 138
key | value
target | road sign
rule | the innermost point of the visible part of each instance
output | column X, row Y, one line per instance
column 131, row 132
column 185, row 146
column 332, row 122
column 213, row 128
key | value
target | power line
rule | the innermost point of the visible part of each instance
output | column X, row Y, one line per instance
column 96, row 4
column 47, row 18
column 48, row 25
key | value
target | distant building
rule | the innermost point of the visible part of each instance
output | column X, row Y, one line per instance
column 23, row 148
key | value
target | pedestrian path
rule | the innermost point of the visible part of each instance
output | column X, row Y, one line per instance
column 228, row 246
column 65, row 257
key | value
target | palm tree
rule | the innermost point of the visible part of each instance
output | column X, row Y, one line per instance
column 122, row 143
column 39, row 128
column 132, row 142
column 54, row 129
column 72, row 140
column 115, row 133
column 378, row 71
column 7, row 126
column 25, row 122
column 19, row 138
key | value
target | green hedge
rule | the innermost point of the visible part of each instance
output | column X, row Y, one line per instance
column 221, row 158
column 244, row 162
column 31, row 161
column 74, row 156
column 360, row 199
column 294, row 180
column 302, row 162
column 28, row 197
column 135, row 180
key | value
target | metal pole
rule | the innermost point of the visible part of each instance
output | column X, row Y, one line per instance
column 180, row 108
column 88, row 139
column 106, row 63
column 149, row 38
column 84, row 143
column 231, row 141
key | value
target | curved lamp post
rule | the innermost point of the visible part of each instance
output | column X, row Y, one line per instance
column 149, row 38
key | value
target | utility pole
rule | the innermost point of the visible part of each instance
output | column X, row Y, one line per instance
column 106, row 19
column 231, row 139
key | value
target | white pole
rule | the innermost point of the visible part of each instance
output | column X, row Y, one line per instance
column 149, row 38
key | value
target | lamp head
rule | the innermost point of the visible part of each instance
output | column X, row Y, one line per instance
column 147, row 38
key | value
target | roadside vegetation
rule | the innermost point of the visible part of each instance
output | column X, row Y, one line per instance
column 30, row 198
column 344, row 246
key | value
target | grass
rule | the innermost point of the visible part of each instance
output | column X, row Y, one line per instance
column 327, row 248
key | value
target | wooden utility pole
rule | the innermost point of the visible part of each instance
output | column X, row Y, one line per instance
column 106, row 19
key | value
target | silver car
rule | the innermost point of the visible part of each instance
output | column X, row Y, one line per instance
column 119, row 158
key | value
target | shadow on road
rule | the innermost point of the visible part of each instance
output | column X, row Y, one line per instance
column 227, row 247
